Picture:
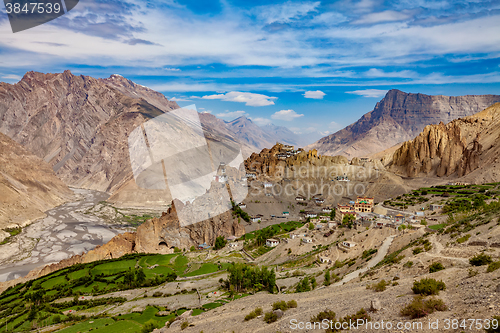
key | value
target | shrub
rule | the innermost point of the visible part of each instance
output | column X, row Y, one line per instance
column 408, row 264
column 463, row 239
column 428, row 287
column 149, row 326
column 480, row 260
column 327, row 280
column 419, row 307
column 184, row 325
column 493, row 266
column 381, row 286
column 417, row 250
column 436, row 267
column 292, row 304
column 255, row 313
column 177, row 250
column 327, row 314
column 472, row 272
column 157, row 294
column 280, row 305
column 270, row 317
column 220, row 242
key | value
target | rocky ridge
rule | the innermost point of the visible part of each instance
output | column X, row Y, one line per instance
column 28, row 186
column 459, row 148
column 399, row 117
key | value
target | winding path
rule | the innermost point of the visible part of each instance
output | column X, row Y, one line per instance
column 381, row 253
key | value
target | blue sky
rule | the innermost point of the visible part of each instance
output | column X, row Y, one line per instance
column 313, row 66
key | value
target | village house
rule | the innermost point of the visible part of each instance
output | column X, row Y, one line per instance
column 311, row 214
column 282, row 156
column 324, row 218
column 242, row 205
column 324, row 260
column 363, row 205
column 332, row 225
column 326, row 210
column 300, row 198
column 286, row 213
column 319, row 201
column 287, row 147
column 232, row 245
column 272, row 242
column 256, row 218
column 250, row 175
column 349, row 244
column 307, row 240
column 267, row 185
column 435, row 207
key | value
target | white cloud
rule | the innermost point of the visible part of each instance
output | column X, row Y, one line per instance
column 249, row 99
column 368, row 92
column 314, row 94
column 11, row 77
column 286, row 115
column 261, row 121
column 385, row 16
column 180, row 99
column 329, row 18
column 286, row 12
column 231, row 115
column 334, row 126
column 172, row 69
column 375, row 72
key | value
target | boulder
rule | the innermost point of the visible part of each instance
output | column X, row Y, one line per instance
column 375, row 305
column 278, row 313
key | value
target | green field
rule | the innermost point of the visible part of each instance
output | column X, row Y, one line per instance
column 107, row 325
column 437, row 226
column 96, row 278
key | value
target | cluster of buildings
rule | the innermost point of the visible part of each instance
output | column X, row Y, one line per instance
column 287, row 151
column 354, row 208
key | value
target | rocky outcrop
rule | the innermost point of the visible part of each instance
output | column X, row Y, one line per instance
column 161, row 235
column 28, row 186
column 399, row 117
column 454, row 149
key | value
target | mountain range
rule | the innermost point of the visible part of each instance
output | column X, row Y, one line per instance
column 398, row 117
column 80, row 126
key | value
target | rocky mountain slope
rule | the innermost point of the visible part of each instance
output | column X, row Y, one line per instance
column 77, row 124
column 80, row 126
column 260, row 137
column 28, row 186
column 396, row 118
column 466, row 146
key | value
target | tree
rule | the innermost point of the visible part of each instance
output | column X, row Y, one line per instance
column 327, row 281
column 220, row 242
column 140, row 277
column 128, row 279
column 313, row 283
column 348, row 220
column 332, row 214
column 311, row 226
